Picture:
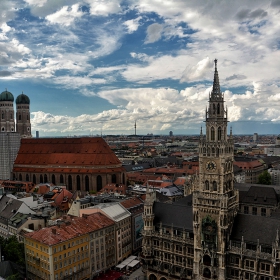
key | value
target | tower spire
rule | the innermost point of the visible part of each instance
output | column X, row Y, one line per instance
column 216, row 91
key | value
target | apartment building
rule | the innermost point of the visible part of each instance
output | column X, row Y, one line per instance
column 71, row 249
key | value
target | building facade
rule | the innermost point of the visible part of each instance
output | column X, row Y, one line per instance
column 83, row 164
column 219, row 231
column 74, row 248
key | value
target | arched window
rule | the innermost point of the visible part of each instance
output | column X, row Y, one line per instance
column 61, row 179
column 207, row 185
column 214, row 109
column 219, row 133
column 70, row 182
column 45, row 178
column 78, row 182
column 114, row 178
column 218, row 109
column 2, row 116
column 20, row 177
column 41, row 179
column 123, row 180
column 204, row 150
column 27, row 178
column 87, row 183
column 214, row 186
column 206, row 273
column 53, row 179
column 34, row 179
column 217, row 152
column 152, row 277
column 19, row 117
column 213, row 150
column 212, row 133
column 99, row 183
column 206, row 260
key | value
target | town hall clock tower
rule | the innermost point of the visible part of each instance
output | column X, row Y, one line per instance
column 215, row 201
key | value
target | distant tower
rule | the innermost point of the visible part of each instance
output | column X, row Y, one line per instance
column 7, row 122
column 135, row 127
column 255, row 137
column 23, row 116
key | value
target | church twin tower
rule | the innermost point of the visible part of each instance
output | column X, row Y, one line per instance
column 7, row 121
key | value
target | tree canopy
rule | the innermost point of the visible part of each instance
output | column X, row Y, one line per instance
column 264, row 178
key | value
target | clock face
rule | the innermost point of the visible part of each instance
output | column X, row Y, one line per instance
column 211, row 165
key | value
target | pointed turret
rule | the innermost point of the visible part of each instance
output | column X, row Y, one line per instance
column 216, row 91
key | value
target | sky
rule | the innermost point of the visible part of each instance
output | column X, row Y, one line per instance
column 98, row 66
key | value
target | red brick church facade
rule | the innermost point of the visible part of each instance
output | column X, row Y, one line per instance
column 85, row 164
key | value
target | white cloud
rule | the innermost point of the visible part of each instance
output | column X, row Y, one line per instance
column 154, row 32
column 132, row 24
column 66, row 15
column 104, row 7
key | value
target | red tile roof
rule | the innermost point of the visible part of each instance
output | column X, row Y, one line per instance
column 69, row 228
column 74, row 155
column 134, row 201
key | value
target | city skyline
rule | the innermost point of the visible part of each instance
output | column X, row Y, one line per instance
column 98, row 66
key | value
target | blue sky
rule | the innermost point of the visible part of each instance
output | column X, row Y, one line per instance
column 94, row 65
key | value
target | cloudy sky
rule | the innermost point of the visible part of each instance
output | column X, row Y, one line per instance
column 100, row 65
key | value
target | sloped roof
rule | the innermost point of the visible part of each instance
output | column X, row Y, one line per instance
column 114, row 210
column 253, row 228
column 71, row 227
column 8, row 207
column 178, row 214
column 264, row 195
column 71, row 152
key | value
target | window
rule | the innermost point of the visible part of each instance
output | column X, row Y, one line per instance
column 265, row 267
column 246, row 210
column 212, row 134
column 234, row 260
column 234, row 273
column 249, row 264
column 263, row 211
column 207, row 185
column 254, row 210
column 249, row 276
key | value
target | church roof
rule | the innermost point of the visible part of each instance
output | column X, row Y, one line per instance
column 77, row 155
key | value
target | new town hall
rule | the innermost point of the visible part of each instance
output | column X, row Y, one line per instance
column 221, row 230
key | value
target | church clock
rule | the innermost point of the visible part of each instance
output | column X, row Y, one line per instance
column 211, row 165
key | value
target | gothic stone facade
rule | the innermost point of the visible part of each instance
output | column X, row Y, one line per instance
column 207, row 235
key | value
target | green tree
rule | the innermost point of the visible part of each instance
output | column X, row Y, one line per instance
column 264, row 178
column 12, row 250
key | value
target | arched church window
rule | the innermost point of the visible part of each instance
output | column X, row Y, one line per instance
column 41, row 179
column 87, row 183
column 45, row 178
column 212, row 133
column 218, row 109
column 204, row 150
column 214, row 109
column 114, row 178
column 34, row 179
column 206, row 260
column 207, row 185
column 20, row 177
column 27, row 178
column 19, row 117
column 3, row 129
column 70, row 182
column 99, row 183
column 61, row 179
column 3, row 116
column 219, row 133
column 206, row 273
column 53, row 179
column 214, row 186
column 78, row 182
column 217, row 152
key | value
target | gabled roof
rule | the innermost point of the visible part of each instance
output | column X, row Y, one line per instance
column 70, row 152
